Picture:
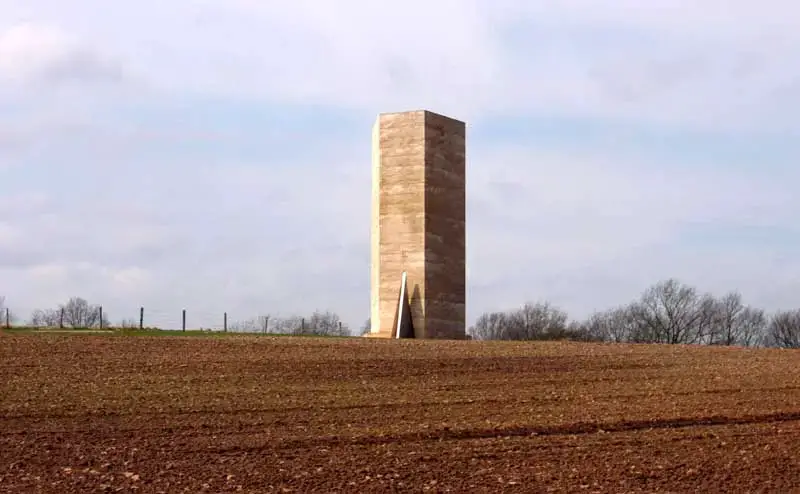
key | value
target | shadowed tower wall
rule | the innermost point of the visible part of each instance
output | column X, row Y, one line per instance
column 418, row 223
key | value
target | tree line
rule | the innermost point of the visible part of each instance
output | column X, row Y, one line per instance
column 78, row 313
column 318, row 323
column 668, row 312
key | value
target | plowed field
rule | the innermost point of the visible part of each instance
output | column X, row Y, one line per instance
column 260, row 414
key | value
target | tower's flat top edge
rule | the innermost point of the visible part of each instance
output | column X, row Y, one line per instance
column 428, row 112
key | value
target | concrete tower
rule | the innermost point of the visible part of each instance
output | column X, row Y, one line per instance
column 418, row 225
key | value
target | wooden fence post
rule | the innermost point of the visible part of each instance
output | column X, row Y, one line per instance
column 141, row 318
column 183, row 320
column 101, row 317
column 225, row 322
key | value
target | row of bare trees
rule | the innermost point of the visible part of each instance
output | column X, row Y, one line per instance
column 667, row 312
column 319, row 323
column 75, row 313
column 539, row 321
column 78, row 313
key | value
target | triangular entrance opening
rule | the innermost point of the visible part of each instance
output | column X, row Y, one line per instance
column 403, row 325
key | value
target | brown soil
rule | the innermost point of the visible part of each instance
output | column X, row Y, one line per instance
column 259, row 414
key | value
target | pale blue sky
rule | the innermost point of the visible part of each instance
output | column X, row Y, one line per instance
column 214, row 155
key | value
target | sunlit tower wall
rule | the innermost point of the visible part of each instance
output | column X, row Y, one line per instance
column 418, row 224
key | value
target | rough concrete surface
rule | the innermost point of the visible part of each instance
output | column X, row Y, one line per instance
column 418, row 223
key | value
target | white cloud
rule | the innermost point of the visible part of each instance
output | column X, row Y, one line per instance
column 548, row 222
column 712, row 18
column 119, row 289
column 710, row 65
column 9, row 235
column 39, row 54
column 622, row 184
column 582, row 229
column 168, row 213
column 48, row 272
column 670, row 62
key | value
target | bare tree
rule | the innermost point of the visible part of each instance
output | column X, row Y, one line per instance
column 366, row 327
column 288, row 325
column 784, row 329
column 579, row 331
column 736, row 324
column 323, row 324
column 318, row 323
column 490, row 326
column 615, row 325
column 539, row 321
column 671, row 312
column 251, row 325
column 78, row 313
column 260, row 324
column 49, row 318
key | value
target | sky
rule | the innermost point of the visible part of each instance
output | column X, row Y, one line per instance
column 214, row 155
